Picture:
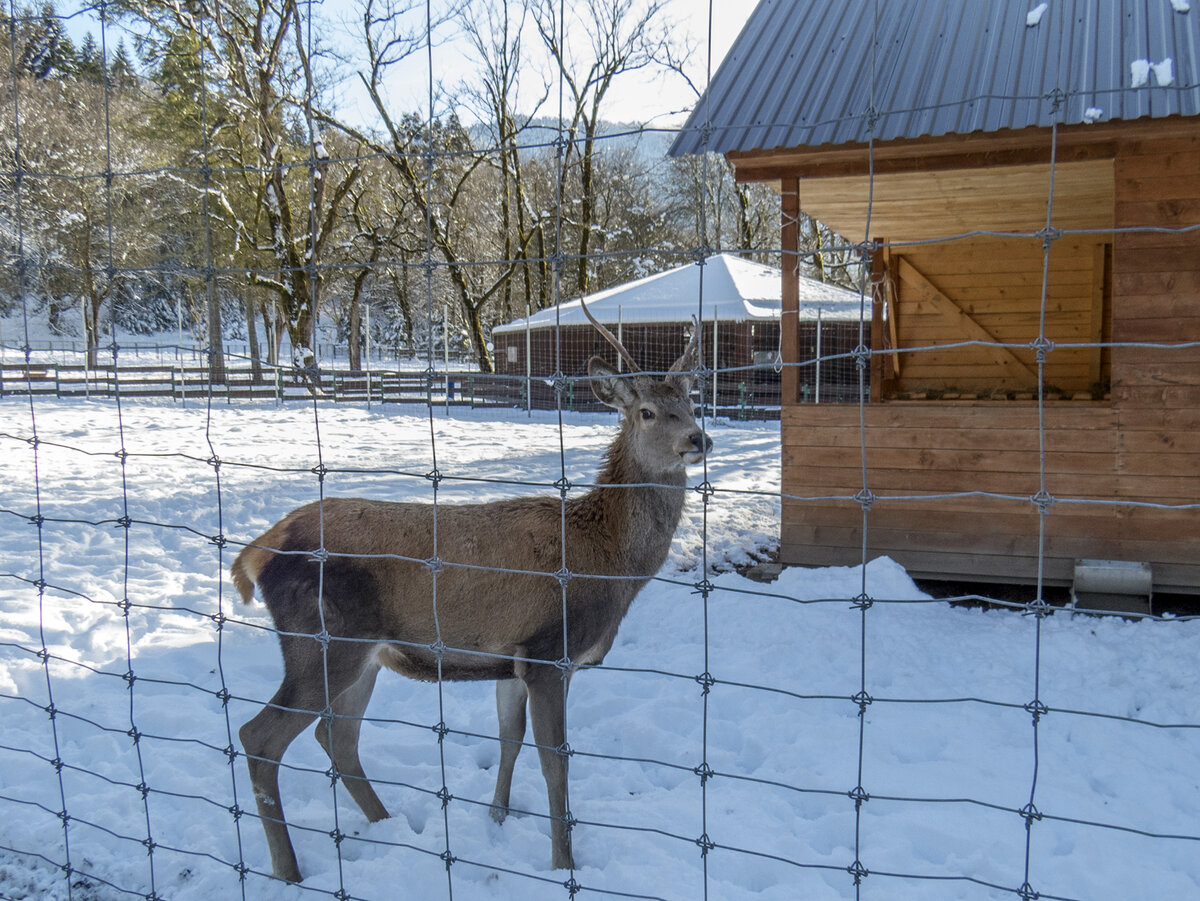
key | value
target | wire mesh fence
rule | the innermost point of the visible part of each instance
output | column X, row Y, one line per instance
column 834, row 734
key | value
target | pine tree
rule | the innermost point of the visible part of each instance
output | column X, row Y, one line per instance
column 121, row 70
column 88, row 64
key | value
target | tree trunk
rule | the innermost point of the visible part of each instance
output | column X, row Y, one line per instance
column 216, row 345
column 355, row 337
column 256, row 372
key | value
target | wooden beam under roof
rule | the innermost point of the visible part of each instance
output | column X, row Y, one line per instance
column 913, row 206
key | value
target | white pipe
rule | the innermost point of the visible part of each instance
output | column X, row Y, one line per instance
column 714, row 360
column 528, row 361
column 621, row 341
column 817, row 380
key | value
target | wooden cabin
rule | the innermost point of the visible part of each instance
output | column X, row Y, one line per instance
column 1026, row 194
column 739, row 301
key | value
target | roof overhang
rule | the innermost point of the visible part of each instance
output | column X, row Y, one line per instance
column 924, row 188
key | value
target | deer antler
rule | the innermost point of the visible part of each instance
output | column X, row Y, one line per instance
column 682, row 363
column 611, row 338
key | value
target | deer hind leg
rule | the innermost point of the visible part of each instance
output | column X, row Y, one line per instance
column 338, row 735
column 302, row 697
column 547, row 709
column 510, row 708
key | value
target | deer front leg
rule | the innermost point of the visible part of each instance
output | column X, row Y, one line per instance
column 547, row 707
column 510, row 709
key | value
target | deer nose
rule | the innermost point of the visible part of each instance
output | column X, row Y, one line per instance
column 701, row 442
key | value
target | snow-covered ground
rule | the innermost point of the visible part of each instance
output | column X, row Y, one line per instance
column 945, row 750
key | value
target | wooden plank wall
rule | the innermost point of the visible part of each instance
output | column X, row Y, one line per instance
column 1156, row 298
column 997, row 283
column 915, row 450
column 1142, row 445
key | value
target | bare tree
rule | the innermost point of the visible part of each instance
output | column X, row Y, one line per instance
column 262, row 55
column 437, row 164
column 495, row 29
column 592, row 44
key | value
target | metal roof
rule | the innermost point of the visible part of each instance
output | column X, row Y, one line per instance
column 736, row 290
column 812, row 72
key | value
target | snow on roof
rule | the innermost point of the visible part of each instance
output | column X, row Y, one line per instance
column 737, row 290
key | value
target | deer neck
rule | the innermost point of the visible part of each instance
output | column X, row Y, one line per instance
column 638, row 508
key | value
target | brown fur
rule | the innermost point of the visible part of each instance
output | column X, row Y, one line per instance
column 500, row 599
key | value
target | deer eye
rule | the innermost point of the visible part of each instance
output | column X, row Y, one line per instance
column 647, row 414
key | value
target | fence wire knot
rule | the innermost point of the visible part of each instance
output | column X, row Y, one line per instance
column 1042, row 347
column 1048, row 236
column 858, row 871
column 1037, row 710
column 863, row 700
column 861, row 355
column 704, row 588
column 1044, row 500
column 863, row 602
column 572, row 887
column 1030, row 813
column 443, row 795
column 866, row 498
column 705, row 772
column 1038, row 608
column 1026, row 893
column 706, row 681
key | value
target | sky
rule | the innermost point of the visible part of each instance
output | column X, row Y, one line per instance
column 654, row 99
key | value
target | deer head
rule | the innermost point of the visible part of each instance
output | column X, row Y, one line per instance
column 659, row 419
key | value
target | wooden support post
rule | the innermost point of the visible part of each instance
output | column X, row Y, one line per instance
column 789, row 318
column 878, row 274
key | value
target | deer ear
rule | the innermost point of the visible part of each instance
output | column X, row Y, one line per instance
column 608, row 387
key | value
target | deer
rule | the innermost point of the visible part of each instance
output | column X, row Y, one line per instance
column 524, row 591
